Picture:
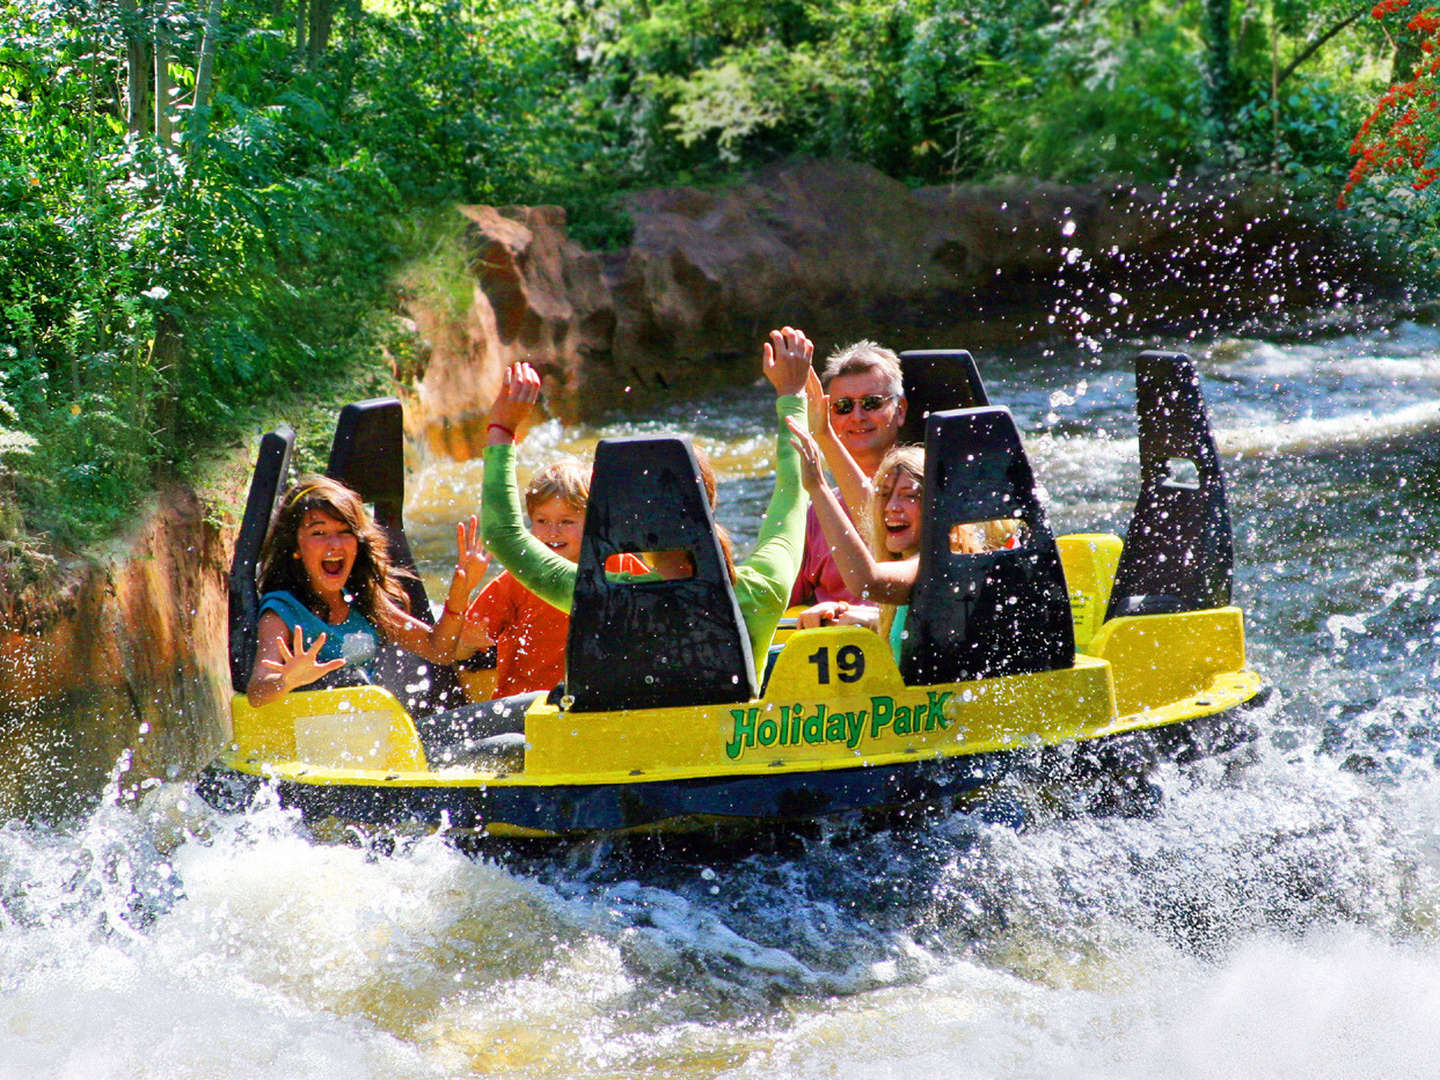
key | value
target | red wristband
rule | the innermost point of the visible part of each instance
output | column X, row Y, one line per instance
column 503, row 428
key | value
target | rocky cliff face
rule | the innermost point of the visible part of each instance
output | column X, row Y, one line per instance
column 843, row 252
column 124, row 671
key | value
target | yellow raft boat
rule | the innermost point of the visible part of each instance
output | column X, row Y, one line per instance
column 1059, row 657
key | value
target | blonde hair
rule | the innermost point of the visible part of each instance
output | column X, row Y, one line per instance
column 909, row 460
column 564, row 480
column 998, row 534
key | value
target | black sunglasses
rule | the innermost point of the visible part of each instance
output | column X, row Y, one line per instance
column 869, row 403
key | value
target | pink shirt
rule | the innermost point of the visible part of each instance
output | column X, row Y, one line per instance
column 819, row 579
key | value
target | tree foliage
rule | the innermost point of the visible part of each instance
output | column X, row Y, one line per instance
column 1399, row 137
column 1397, row 147
column 173, row 248
column 203, row 202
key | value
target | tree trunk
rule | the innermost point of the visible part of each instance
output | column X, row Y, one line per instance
column 322, row 18
column 302, row 26
column 1316, row 45
column 163, row 130
column 167, row 355
column 1407, row 54
column 1216, row 74
column 139, row 61
column 204, row 69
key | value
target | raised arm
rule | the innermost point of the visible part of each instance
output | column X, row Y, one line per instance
column 437, row 643
column 883, row 582
column 786, row 361
column 502, row 525
column 283, row 665
column 855, row 486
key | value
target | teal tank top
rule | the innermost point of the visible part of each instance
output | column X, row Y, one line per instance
column 354, row 640
column 897, row 629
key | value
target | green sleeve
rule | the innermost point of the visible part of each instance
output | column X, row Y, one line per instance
column 766, row 577
column 502, row 527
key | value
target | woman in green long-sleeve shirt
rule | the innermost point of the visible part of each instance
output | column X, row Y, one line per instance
column 762, row 582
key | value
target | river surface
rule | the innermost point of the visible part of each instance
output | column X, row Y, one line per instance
column 1275, row 917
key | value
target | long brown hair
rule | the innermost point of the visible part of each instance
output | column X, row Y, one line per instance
column 707, row 477
column 374, row 582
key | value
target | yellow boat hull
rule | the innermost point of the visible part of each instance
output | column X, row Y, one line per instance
column 835, row 730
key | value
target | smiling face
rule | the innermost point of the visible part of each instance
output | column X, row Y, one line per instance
column 899, row 499
column 866, row 433
column 327, row 547
column 559, row 525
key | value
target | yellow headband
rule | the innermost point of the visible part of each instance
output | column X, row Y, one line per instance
column 301, row 494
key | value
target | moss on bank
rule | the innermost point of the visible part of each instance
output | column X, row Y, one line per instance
column 37, row 567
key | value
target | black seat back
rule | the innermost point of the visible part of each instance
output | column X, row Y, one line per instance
column 367, row 455
column 938, row 379
column 1179, row 553
column 272, row 469
column 976, row 616
column 655, row 643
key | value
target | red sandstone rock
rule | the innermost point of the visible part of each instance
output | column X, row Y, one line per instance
column 125, row 670
column 844, row 252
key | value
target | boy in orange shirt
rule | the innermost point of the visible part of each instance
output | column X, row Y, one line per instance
column 529, row 635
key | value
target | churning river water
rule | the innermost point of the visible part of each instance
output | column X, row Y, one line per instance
column 1273, row 917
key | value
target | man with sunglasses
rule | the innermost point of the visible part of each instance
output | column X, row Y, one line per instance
column 867, row 407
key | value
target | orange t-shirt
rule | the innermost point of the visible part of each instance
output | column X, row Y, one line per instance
column 529, row 634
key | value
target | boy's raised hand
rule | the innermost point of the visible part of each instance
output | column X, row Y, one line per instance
column 787, row 357
column 519, row 391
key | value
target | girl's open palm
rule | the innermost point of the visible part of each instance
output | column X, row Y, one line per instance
column 817, row 406
column 809, row 452
column 474, row 560
column 298, row 665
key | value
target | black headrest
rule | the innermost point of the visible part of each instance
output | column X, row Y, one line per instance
column 367, row 455
column 1004, row 612
column 1179, row 552
column 272, row 466
column 935, row 380
column 663, row 642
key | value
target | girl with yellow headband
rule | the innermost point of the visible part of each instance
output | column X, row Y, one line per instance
column 329, row 593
